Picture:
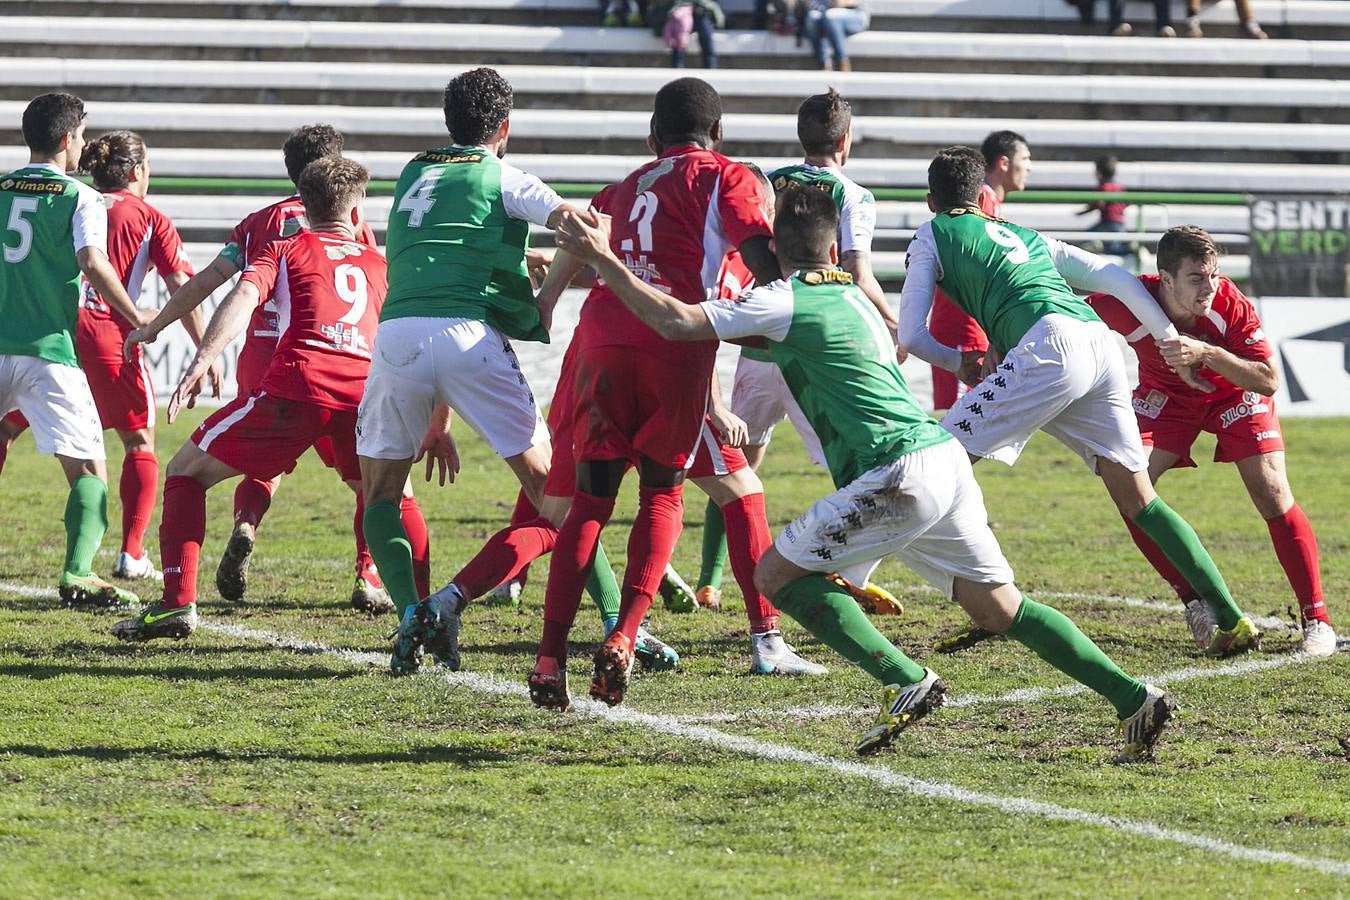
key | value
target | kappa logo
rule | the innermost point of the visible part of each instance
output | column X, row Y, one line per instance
column 839, row 537
column 1151, row 404
column 1252, row 404
column 1007, row 367
column 1000, row 381
column 854, row 519
column 823, row 552
column 987, row 395
column 976, row 409
column 965, row 426
column 867, row 502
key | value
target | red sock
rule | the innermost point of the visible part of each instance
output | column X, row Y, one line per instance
column 419, row 539
column 656, row 529
column 1296, row 547
column 251, row 500
column 363, row 560
column 138, row 488
column 181, row 533
column 507, row 553
column 1161, row 564
column 748, row 537
column 524, row 512
column 573, row 556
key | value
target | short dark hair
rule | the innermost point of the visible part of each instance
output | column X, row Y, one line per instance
column 308, row 143
column 1185, row 242
column 50, row 117
column 686, row 111
column 1106, row 167
column 476, row 103
column 110, row 157
column 329, row 186
column 822, row 122
column 805, row 223
column 1000, row 143
column 955, row 176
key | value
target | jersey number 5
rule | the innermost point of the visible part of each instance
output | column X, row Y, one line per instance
column 417, row 200
column 22, row 227
column 644, row 210
column 1006, row 237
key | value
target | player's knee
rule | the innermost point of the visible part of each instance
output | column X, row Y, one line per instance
column 772, row 572
column 989, row 606
column 1273, row 499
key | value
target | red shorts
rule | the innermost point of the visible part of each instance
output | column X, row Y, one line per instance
column 263, row 436
column 124, row 393
column 633, row 403
column 952, row 326
column 714, row 458
column 1245, row 426
column 254, row 358
column 16, row 420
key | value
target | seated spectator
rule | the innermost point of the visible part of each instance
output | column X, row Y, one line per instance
column 623, row 12
column 676, row 21
column 1112, row 214
column 1162, row 16
column 1249, row 25
column 833, row 22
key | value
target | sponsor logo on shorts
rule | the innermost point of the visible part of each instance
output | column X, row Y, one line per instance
column 1267, row 435
column 1151, row 404
column 965, row 426
column 976, row 409
column 1000, row 381
column 839, row 537
column 823, row 552
column 1252, row 404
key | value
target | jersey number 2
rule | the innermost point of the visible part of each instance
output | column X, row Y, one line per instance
column 22, row 227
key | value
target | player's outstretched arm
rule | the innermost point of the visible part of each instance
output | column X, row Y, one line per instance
column 1097, row 274
column 195, row 326
column 1257, row 375
column 102, row 277
column 586, row 236
column 923, row 270
column 561, row 272
column 230, row 319
column 184, row 300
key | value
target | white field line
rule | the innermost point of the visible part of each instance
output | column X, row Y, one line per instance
column 879, row 775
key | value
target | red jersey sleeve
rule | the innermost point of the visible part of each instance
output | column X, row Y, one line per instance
column 1244, row 336
column 1114, row 313
column 262, row 271
column 166, row 248
column 367, row 236
column 601, row 201
column 740, row 202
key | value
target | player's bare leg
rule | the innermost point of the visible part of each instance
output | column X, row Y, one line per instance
column 1295, row 542
column 86, row 520
column 10, row 429
column 138, row 489
column 1139, row 503
column 191, row 473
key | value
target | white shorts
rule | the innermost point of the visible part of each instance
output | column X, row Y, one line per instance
column 925, row 508
column 761, row 397
column 417, row 363
column 1066, row 378
column 57, row 403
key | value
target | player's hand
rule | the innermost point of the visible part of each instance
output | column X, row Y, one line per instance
column 732, row 428
column 142, row 335
column 972, row 367
column 546, row 306
column 1191, row 375
column 585, row 235
column 537, row 262
column 1181, row 351
column 900, row 355
column 216, row 372
column 189, row 387
column 991, row 360
column 441, row 454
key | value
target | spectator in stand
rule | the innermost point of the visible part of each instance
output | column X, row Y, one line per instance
column 833, row 22
column 1162, row 15
column 677, row 20
column 1250, row 27
column 623, row 12
column 1112, row 214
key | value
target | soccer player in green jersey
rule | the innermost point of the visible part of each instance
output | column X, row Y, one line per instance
column 1052, row 363
column 903, row 486
column 53, row 229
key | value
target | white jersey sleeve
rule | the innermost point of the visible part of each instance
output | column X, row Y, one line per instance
column 764, row 312
column 857, row 219
column 89, row 224
column 923, row 271
column 526, row 197
column 1091, row 272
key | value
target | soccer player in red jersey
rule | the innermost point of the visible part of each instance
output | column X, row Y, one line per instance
column 1221, row 337
column 1007, row 160
column 253, row 497
column 640, row 400
column 328, row 286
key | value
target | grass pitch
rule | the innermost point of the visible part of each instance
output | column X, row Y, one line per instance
column 229, row 766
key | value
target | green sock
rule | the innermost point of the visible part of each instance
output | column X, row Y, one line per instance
column 714, row 547
column 603, row 587
column 836, row 619
column 1182, row 547
column 86, row 521
column 392, row 552
column 1053, row 637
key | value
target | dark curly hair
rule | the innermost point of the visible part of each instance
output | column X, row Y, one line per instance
column 109, row 158
column 330, row 186
column 955, row 176
column 50, row 117
column 806, row 222
column 476, row 103
column 822, row 122
column 685, row 112
column 308, row 143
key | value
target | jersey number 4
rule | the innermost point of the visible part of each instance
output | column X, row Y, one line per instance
column 417, row 200
column 22, row 227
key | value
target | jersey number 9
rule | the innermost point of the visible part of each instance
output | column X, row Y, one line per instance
column 1006, row 237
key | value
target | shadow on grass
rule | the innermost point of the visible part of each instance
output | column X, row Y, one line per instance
column 39, row 671
column 464, row 756
column 87, row 649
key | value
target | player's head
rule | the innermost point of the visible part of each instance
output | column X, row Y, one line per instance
column 1188, row 266
column 478, row 109
column 332, row 189
column 766, row 189
column 687, row 111
column 308, row 143
column 805, row 227
column 954, row 178
column 1007, row 160
column 116, row 160
column 825, row 125
column 1106, row 168
column 54, row 124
